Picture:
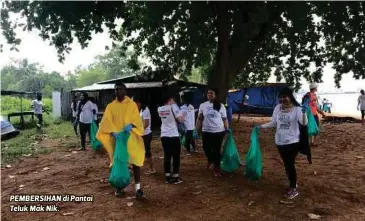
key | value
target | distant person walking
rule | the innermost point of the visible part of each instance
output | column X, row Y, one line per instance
column 313, row 105
column 86, row 112
column 74, row 105
column 189, row 122
column 361, row 106
column 37, row 107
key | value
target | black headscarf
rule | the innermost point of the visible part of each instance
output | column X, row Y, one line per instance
column 83, row 102
column 286, row 91
column 216, row 104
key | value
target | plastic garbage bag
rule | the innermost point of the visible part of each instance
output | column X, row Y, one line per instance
column 231, row 160
column 95, row 144
column 313, row 129
column 253, row 169
column 196, row 135
column 119, row 175
column 182, row 141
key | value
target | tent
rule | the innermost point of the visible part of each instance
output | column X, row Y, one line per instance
column 7, row 129
column 262, row 99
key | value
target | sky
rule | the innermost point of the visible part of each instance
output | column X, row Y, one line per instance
column 35, row 49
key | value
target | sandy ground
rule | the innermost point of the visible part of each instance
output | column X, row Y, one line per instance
column 332, row 187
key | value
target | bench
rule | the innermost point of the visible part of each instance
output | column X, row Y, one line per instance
column 21, row 114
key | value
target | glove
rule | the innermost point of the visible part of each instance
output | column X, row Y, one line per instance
column 115, row 135
column 128, row 128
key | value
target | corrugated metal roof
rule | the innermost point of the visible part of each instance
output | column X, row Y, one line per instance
column 100, row 87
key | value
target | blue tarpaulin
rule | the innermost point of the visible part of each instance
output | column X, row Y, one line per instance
column 262, row 99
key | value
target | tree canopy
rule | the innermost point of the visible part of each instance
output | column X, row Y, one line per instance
column 244, row 41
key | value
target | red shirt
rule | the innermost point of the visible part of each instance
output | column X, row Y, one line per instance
column 313, row 103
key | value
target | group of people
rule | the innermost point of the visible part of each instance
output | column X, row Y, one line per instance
column 84, row 112
column 134, row 117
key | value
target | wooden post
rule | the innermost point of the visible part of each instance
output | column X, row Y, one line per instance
column 21, row 111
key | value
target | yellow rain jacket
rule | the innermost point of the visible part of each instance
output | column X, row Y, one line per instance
column 117, row 115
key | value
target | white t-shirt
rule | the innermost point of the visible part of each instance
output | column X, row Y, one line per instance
column 146, row 115
column 37, row 106
column 74, row 113
column 96, row 111
column 168, row 127
column 362, row 102
column 189, row 116
column 213, row 120
column 86, row 115
column 287, row 125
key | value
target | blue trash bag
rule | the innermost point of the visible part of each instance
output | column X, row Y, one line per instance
column 196, row 135
column 313, row 129
column 253, row 169
column 119, row 175
column 231, row 160
column 95, row 144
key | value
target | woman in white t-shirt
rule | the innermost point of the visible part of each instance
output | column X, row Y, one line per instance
column 147, row 136
column 188, row 112
column 86, row 112
column 285, row 118
column 212, row 121
column 169, row 114
column 361, row 105
column 74, row 105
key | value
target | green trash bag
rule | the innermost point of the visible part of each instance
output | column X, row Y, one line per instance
column 95, row 144
column 313, row 129
column 182, row 141
column 231, row 160
column 119, row 175
column 253, row 169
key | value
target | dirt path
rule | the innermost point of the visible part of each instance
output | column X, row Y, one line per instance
column 332, row 187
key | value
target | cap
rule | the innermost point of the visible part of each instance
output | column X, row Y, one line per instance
column 313, row 86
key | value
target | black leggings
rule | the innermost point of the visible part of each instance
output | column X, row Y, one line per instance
column 288, row 154
column 189, row 140
column 147, row 139
column 171, row 147
column 84, row 129
column 74, row 124
column 212, row 143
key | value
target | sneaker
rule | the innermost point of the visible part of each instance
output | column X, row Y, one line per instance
column 292, row 194
column 119, row 193
column 167, row 179
column 139, row 193
column 176, row 180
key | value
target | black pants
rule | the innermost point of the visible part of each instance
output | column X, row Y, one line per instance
column 288, row 154
column 84, row 129
column 40, row 118
column 74, row 124
column 189, row 140
column 147, row 139
column 212, row 143
column 171, row 147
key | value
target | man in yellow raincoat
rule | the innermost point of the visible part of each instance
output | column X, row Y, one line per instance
column 122, row 115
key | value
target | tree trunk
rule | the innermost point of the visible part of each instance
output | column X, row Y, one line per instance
column 219, row 77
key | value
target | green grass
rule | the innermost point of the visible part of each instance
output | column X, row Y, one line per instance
column 12, row 104
column 27, row 142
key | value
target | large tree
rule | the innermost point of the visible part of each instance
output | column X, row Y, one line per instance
column 236, row 39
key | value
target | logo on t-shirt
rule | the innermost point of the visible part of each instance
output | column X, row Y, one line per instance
column 284, row 122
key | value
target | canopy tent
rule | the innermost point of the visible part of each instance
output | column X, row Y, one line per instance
column 7, row 129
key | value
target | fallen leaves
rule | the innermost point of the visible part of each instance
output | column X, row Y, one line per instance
column 11, row 176
column 197, row 193
column 129, row 204
column 250, row 203
column 46, row 168
column 67, row 214
column 359, row 157
column 8, row 166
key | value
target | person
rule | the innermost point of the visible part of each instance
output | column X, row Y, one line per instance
column 86, row 112
column 169, row 114
column 75, row 103
column 313, row 104
column 37, row 107
column 95, row 106
column 361, row 105
column 285, row 118
column 147, row 135
column 212, row 122
column 122, row 115
column 188, row 112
